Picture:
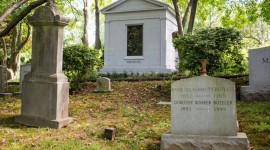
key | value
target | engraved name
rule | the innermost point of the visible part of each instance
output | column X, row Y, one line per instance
column 265, row 60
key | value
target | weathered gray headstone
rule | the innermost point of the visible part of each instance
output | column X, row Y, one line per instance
column 203, row 115
column 45, row 92
column 259, row 73
column 103, row 84
column 25, row 68
column 3, row 79
column 203, row 106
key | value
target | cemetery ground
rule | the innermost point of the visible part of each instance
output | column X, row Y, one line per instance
column 131, row 108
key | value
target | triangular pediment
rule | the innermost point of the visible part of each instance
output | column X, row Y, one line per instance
column 134, row 5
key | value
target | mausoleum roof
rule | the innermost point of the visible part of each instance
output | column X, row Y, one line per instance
column 122, row 6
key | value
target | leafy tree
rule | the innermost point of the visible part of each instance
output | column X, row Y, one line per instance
column 221, row 46
column 14, row 32
column 265, row 10
column 24, row 12
column 78, row 61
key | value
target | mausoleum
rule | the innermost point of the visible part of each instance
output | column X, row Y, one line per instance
column 138, row 37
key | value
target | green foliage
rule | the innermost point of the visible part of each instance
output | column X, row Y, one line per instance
column 80, row 62
column 221, row 46
column 131, row 75
column 265, row 10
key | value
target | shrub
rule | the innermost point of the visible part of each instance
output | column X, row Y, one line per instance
column 79, row 62
column 221, row 46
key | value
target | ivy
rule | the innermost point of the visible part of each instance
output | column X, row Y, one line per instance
column 221, row 46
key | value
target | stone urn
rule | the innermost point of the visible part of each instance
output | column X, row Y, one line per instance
column 204, row 63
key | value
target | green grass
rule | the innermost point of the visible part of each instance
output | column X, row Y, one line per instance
column 131, row 108
column 254, row 119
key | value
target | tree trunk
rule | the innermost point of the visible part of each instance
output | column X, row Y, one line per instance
column 10, row 64
column 11, row 10
column 97, row 40
column 4, row 61
column 178, row 18
column 51, row 3
column 192, row 16
column 85, row 38
column 186, row 13
column 16, row 46
column 18, row 18
column 21, row 44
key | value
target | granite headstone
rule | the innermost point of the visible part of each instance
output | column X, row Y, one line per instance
column 25, row 68
column 259, row 73
column 3, row 79
column 103, row 84
column 203, row 115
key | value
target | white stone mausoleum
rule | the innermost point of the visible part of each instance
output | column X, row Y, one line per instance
column 138, row 37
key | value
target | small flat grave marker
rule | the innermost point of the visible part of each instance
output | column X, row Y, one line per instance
column 109, row 133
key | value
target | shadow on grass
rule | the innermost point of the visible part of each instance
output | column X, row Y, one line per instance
column 8, row 122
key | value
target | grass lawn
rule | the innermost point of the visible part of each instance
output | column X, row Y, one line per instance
column 131, row 108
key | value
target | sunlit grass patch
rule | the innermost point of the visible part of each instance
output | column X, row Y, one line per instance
column 254, row 119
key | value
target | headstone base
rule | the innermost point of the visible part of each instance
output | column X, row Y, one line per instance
column 258, row 93
column 195, row 142
column 45, row 101
column 5, row 94
column 39, row 122
column 17, row 93
column 104, row 91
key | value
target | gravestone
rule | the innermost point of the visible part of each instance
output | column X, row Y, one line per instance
column 203, row 116
column 259, row 73
column 45, row 92
column 3, row 79
column 103, row 84
column 25, row 68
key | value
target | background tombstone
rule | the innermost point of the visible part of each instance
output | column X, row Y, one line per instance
column 45, row 93
column 103, row 84
column 24, row 69
column 259, row 75
column 203, row 116
column 3, row 79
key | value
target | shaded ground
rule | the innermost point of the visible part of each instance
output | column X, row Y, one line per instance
column 131, row 108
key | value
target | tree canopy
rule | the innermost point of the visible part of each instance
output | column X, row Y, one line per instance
column 251, row 17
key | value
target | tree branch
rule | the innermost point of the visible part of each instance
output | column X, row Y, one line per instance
column 4, row 61
column 11, row 10
column 178, row 18
column 192, row 16
column 186, row 13
column 254, row 38
column 27, row 38
column 24, row 13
